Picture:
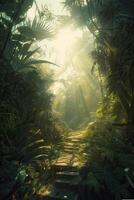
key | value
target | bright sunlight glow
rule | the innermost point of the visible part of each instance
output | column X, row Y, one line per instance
column 65, row 40
column 64, row 43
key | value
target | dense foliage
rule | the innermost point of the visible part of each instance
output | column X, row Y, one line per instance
column 28, row 131
column 110, row 145
column 111, row 23
column 110, row 161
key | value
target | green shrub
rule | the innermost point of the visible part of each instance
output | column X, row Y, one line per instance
column 109, row 156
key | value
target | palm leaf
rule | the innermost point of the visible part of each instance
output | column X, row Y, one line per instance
column 34, row 62
column 31, row 53
column 38, row 29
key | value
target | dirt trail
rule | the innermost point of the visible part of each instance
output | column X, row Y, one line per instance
column 67, row 181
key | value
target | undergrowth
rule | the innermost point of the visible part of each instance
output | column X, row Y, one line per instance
column 110, row 162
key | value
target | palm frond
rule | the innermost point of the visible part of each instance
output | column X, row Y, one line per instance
column 37, row 29
column 34, row 62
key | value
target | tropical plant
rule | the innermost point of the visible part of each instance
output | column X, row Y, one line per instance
column 111, row 23
column 19, row 175
column 28, row 132
column 109, row 149
column 108, row 155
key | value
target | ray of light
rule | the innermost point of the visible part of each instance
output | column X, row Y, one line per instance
column 65, row 40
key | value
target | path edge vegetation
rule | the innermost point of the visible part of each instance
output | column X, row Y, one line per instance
column 30, row 136
column 109, row 142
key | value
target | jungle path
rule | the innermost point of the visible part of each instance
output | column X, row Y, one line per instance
column 67, row 180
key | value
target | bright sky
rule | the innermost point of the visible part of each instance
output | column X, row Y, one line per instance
column 55, row 5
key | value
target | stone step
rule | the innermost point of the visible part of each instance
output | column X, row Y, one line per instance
column 64, row 167
column 65, row 174
column 74, row 141
column 64, row 156
column 69, row 179
column 70, row 151
column 71, row 146
column 70, row 142
column 74, row 147
column 67, row 184
column 73, row 138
